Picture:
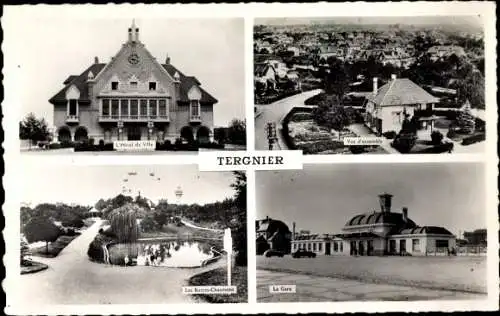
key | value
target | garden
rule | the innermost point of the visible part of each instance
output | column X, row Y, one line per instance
column 451, row 127
column 322, row 131
column 47, row 229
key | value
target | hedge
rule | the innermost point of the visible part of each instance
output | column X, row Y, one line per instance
column 474, row 139
column 317, row 147
column 441, row 148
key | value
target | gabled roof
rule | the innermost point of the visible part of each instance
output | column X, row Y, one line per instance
column 402, row 92
column 261, row 69
column 79, row 82
column 186, row 82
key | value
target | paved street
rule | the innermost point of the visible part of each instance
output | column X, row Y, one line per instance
column 434, row 275
column 73, row 279
column 274, row 112
column 326, row 289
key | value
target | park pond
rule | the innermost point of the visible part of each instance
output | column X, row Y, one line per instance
column 164, row 253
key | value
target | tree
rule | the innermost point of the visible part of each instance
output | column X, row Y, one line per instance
column 465, row 120
column 238, row 222
column 33, row 129
column 236, row 132
column 220, row 135
column 124, row 224
column 149, row 224
column 100, row 205
column 41, row 229
column 25, row 252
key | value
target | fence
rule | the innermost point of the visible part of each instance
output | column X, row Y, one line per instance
column 459, row 251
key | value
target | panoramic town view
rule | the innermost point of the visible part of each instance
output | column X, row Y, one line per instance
column 144, row 90
column 138, row 235
column 372, row 232
column 403, row 84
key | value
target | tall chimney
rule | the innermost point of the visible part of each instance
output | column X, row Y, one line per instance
column 375, row 85
column 405, row 214
column 385, row 202
column 293, row 230
column 96, row 60
column 130, row 34
column 167, row 60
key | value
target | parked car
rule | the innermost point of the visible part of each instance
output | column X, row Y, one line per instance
column 273, row 253
column 301, row 253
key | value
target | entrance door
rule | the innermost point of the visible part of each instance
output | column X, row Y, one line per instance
column 402, row 246
column 392, row 246
column 361, row 248
column 327, row 248
column 369, row 251
column 134, row 133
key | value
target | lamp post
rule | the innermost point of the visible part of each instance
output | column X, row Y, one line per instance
column 271, row 134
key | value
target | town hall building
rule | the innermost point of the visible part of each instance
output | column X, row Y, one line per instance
column 133, row 97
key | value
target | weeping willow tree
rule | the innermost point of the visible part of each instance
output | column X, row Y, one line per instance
column 124, row 224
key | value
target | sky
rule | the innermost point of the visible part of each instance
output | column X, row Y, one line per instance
column 85, row 185
column 322, row 198
column 45, row 49
column 405, row 20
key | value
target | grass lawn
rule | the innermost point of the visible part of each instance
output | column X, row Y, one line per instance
column 219, row 277
column 54, row 247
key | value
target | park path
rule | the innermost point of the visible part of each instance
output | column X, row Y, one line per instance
column 73, row 279
column 188, row 224
column 275, row 112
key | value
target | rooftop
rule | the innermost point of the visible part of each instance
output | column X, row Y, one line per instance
column 401, row 92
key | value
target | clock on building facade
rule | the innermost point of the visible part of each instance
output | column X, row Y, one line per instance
column 133, row 59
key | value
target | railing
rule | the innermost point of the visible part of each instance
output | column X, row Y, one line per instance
column 72, row 119
column 195, row 118
column 134, row 118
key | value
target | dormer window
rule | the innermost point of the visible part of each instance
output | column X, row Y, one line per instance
column 114, row 85
column 152, row 86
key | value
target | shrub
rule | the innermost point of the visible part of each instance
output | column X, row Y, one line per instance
column 451, row 133
column 42, row 229
column 67, row 144
column 437, row 138
column 317, row 147
column 25, row 252
column 390, row 134
column 404, row 142
column 178, row 142
column 357, row 149
column 149, row 224
column 101, row 142
column 299, row 117
column 438, row 149
column 474, row 139
column 91, row 141
column 95, row 251
column 54, row 146
column 73, row 222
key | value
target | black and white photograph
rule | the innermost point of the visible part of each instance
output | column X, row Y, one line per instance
column 131, row 235
column 378, row 85
column 161, row 86
column 372, row 232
